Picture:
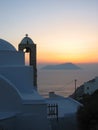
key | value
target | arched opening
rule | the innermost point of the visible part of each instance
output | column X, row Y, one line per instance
column 27, row 56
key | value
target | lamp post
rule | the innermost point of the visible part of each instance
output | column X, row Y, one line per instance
column 75, row 86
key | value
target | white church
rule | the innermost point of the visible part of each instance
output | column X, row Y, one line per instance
column 21, row 106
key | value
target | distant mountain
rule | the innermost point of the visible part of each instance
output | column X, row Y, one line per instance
column 66, row 66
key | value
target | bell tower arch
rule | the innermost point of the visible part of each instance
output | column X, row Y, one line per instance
column 27, row 45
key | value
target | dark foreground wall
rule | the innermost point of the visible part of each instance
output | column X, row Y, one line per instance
column 67, row 123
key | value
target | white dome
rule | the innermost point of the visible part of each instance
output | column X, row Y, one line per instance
column 26, row 40
column 6, row 46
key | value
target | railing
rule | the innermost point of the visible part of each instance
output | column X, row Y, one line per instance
column 52, row 111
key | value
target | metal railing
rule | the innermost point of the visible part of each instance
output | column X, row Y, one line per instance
column 52, row 111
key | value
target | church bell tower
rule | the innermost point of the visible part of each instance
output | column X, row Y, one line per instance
column 27, row 45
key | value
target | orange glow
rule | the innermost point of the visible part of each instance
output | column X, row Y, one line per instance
column 69, row 53
column 73, row 43
column 75, row 55
column 61, row 59
column 64, row 30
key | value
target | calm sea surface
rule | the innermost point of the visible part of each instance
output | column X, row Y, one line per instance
column 62, row 82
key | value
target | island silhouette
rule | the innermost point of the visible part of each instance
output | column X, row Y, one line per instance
column 67, row 66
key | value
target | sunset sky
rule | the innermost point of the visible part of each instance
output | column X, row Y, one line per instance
column 64, row 30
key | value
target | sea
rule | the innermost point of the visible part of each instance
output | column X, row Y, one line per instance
column 62, row 82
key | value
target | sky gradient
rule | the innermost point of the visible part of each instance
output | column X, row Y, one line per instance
column 64, row 30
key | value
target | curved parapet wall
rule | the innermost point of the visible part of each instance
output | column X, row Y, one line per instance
column 10, row 99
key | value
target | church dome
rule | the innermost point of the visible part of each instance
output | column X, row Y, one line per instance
column 26, row 40
column 6, row 46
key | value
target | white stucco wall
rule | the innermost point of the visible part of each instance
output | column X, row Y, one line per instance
column 10, row 58
column 10, row 99
column 65, row 105
column 34, row 116
column 20, row 76
column 90, row 87
column 18, row 95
